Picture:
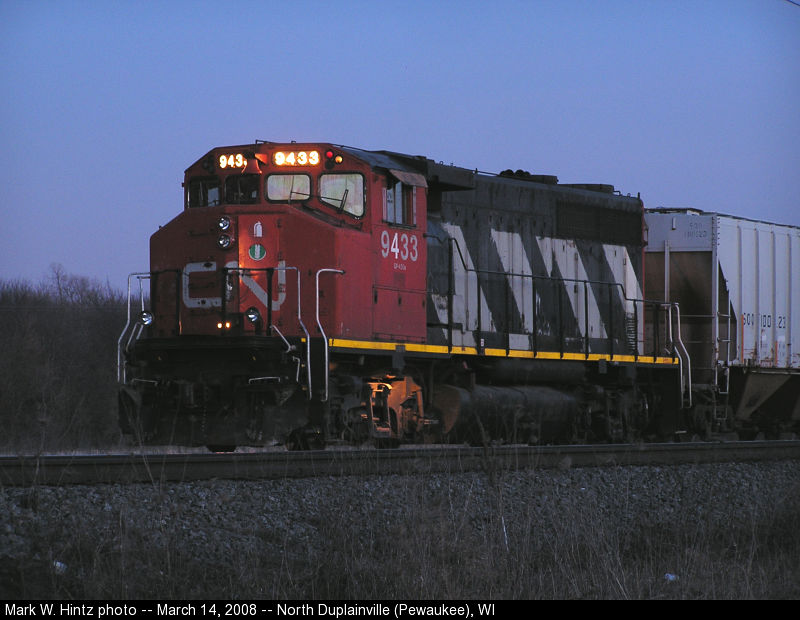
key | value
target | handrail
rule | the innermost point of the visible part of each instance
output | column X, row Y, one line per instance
column 576, row 281
column 683, row 350
column 322, row 331
column 680, row 358
column 121, row 374
column 305, row 331
column 290, row 348
column 246, row 270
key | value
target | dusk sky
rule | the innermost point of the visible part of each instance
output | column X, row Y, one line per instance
column 105, row 104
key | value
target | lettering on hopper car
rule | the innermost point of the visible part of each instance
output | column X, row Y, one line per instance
column 697, row 230
column 750, row 319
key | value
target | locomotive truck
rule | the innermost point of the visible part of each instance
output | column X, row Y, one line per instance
column 313, row 294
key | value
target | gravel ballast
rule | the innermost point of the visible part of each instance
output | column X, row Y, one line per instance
column 56, row 539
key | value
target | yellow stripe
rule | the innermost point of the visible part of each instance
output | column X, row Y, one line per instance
column 342, row 343
column 362, row 344
column 426, row 348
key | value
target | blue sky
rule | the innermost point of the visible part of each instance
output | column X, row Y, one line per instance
column 106, row 103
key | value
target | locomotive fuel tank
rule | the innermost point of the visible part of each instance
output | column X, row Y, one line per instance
column 517, row 414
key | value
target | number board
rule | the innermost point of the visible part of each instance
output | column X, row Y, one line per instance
column 296, row 158
column 232, row 160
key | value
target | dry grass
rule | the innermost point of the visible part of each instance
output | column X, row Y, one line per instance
column 438, row 553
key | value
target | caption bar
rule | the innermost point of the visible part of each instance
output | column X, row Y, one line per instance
column 219, row 609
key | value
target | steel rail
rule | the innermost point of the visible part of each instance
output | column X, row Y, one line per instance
column 50, row 470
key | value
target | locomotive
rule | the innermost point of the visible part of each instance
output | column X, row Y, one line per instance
column 317, row 294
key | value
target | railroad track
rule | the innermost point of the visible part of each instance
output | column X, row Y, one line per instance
column 277, row 464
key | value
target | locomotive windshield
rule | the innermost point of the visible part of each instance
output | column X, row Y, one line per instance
column 345, row 192
column 242, row 189
column 203, row 192
column 288, row 187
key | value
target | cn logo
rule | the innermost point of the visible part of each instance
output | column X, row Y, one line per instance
column 262, row 295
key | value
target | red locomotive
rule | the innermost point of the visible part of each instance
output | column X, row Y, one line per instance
column 316, row 293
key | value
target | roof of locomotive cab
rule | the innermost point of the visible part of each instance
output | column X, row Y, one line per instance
column 376, row 159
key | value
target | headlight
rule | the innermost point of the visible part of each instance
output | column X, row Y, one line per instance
column 146, row 318
column 253, row 315
column 224, row 222
column 224, row 241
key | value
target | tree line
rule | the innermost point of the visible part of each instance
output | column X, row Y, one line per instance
column 58, row 363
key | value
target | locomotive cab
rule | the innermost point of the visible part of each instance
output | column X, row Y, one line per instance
column 279, row 249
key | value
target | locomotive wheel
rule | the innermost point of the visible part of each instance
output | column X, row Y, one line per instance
column 305, row 438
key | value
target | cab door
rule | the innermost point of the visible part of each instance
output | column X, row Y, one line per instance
column 399, row 285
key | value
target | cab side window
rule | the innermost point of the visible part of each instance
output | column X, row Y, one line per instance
column 400, row 203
